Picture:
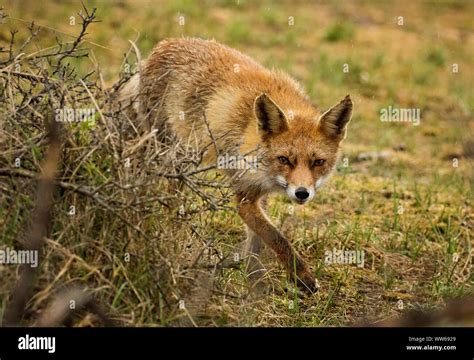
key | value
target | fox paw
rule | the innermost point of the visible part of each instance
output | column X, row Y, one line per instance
column 307, row 283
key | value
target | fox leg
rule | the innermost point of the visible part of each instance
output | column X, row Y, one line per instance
column 253, row 216
column 253, row 248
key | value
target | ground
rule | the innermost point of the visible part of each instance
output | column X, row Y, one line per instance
column 402, row 192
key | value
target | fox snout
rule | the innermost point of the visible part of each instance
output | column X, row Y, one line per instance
column 300, row 194
column 300, row 191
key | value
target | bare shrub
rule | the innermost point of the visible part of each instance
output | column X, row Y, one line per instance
column 132, row 217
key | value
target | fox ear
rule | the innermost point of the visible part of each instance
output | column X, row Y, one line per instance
column 334, row 121
column 270, row 118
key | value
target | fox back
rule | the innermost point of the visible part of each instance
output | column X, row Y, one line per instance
column 201, row 91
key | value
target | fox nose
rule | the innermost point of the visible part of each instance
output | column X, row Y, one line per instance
column 301, row 193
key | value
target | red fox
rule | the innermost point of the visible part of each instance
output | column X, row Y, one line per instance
column 206, row 91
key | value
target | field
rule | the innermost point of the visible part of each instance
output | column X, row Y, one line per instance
column 402, row 193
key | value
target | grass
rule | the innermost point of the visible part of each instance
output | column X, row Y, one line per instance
column 339, row 31
column 411, row 212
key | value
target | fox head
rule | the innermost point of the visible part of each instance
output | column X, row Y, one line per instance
column 299, row 154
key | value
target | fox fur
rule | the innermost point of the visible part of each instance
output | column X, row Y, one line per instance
column 200, row 91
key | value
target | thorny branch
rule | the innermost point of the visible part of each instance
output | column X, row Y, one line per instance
column 35, row 85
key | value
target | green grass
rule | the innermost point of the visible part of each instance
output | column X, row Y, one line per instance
column 339, row 31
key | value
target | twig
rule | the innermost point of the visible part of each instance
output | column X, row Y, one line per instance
column 34, row 241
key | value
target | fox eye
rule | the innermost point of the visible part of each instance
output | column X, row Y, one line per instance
column 283, row 160
column 318, row 162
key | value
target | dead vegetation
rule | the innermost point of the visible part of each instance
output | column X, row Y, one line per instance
column 115, row 224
